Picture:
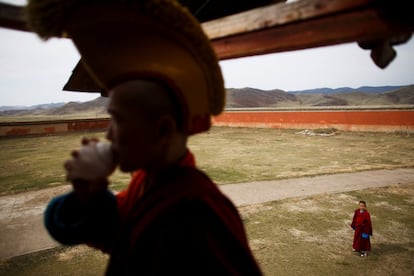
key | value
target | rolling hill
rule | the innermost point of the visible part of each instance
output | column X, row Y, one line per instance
column 252, row 98
column 364, row 96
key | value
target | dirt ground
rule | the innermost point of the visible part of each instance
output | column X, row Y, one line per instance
column 21, row 215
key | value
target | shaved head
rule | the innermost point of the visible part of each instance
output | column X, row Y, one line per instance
column 147, row 98
column 146, row 129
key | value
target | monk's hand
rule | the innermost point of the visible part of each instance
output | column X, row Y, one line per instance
column 89, row 168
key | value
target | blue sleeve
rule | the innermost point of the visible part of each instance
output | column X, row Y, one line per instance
column 70, row 222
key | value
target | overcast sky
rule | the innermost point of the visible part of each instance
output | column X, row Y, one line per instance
column 33, row 71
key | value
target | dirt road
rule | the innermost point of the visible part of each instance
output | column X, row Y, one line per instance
column 21, row 215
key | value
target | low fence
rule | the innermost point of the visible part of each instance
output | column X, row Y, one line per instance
column 387, row 120
column 52, row 127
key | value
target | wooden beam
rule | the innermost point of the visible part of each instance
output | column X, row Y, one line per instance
column 361, row 26
column 306, row 24
column 12, row 17
column 277, row 15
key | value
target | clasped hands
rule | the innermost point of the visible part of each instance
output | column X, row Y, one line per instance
column 89, row 168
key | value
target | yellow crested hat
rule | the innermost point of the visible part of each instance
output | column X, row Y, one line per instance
column 121, row 40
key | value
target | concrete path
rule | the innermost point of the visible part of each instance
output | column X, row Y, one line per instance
column 21, row 215
column 264, row 191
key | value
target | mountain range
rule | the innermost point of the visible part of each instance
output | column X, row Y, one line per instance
column 252, row 98
column 38, row 106
column 321, row 97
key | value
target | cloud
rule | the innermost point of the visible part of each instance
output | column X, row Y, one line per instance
column 33, row 71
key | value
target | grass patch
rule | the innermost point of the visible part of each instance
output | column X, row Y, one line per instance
column 310, row 236
column 232, row 155
column 298, row 236
column 34, row 163
column 78, row 260
column 228, row 155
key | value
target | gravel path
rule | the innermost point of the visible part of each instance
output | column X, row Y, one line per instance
column 21, row 215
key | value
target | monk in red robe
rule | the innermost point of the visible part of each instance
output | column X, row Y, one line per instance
column 153, row 60
column 361, row 223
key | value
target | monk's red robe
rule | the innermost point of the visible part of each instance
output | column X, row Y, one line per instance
column 180, row 225
column 361, row 223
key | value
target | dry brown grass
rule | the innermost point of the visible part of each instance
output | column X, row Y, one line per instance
column 310, row 236
column 228, row 155
column 299, row 236
column 232, row 155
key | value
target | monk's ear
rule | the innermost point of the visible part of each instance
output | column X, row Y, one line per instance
column 166, row 126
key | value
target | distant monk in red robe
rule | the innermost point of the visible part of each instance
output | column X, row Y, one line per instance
column 361, row 223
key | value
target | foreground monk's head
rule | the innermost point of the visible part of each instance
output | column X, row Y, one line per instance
column 125, row 40
column 146, row 129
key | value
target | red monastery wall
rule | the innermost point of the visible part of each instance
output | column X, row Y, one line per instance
column 349, row 120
